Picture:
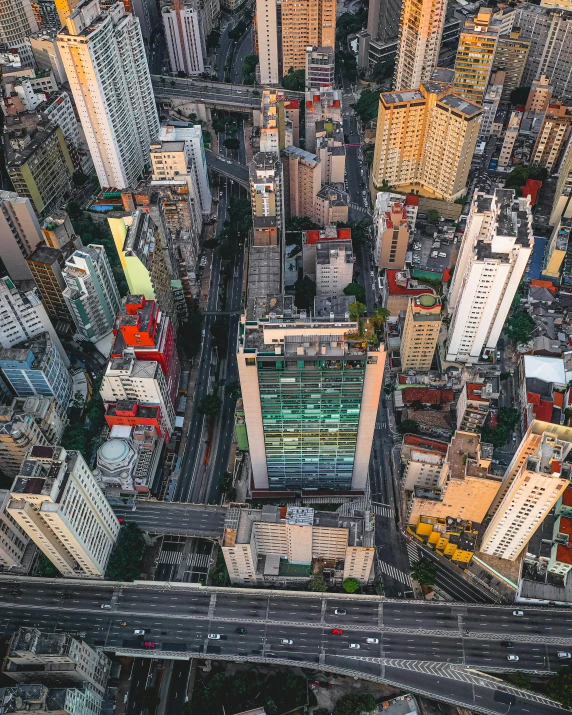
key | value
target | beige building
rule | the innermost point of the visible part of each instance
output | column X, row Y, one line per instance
column 553, row 135
column 475, row 55
column 322, row 104
column 510, row 56
column 272, row 121
column 305, row 23
column 473, row 405
column 331, row 207
column 267, row 198
column 424, row 466
column 425, row 141
column 391, row 233
column 420, row 32
column 328, row 259
column 510, row 136
column 535, row 479
column 13, row 540
column 267, row 40
column 420, row 332
column 331, row 151
column 539, row 96
column 302, row 181
column 57, row 503
column 288, row 544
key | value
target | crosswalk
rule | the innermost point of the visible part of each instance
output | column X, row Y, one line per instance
column 395, row 573
column 382, row 509
column 199, row 561
column 358, row 207
column 170, row 557
column 412, row 552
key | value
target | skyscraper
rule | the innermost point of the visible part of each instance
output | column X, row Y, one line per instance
column 267, row 37
column 420, row 332
column 420, row 31
column 57, row 503
column 305, row 23
column 109, row 77
column 17, row 23
column 302, row 181
column 46, row 266
column 496, row 246
column 510, row 56
column 310, row 395
column 474, row 61
column 20, row 233
column 185, row 41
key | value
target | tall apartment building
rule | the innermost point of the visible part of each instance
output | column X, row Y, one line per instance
column 420, row 32
column 55, row 660
column 539, row 96
column 302, row 181
column 425, row 141
column 46, row 266
column 332, row 206
column 142, row 257
column 34, row 367
column 562, row 204
column 91, row 293
column 57, row 503
column 105, row 62
column 510, row 136
column 267, row 198
column 324, row 103
column 553, row 135
column 491, row 103
column 535, row 479
column 475, row 55
column 47, row 55
column 268, row 38
column 328, row 259
column 20, row 233
column 309, row 406
column 17, row 23
column 38, row 161
column 194, row 153
column 510, row 56
column 260, row 544
column 58, row 232
column 383, row 20
column 391, row 231
column 305, row 23
column 46, row 15
column 185, row 41
column 13, row 541
column 496, row 246
column 331, row 151
column 320, row 66
column 423, row 322
column 473, row 405
column 272, row 122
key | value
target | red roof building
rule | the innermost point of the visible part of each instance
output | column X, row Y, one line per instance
column 427, row 396
column 531, row 188
column 564, row 551
column 130, row 413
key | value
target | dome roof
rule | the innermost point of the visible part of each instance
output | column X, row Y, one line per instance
column 114, row 450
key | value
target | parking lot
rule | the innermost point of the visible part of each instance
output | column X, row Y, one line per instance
column 430, row 252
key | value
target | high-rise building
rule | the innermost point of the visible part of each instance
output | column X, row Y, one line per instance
column 510, row 136
column 473, row 405
column 38, row 161
column 562, row 204
column 91, row 294
column 142, row 257
column 17, row 23
column 65, row 9
column 34, row 367
column 491, row 103
column 328, row 259
column 47, row 265
column 302, row 181
column 55, row 660
column 310, row 406
column 305, row 23
column 58, row 108
column 393, row 221
column 268, row 38
column 496, row 247
column 59, row 233
column 553, row 135
column 425, row 141
column 510, row 56
column 535, row 479
column 475, row 55
column 539, row 96
column 272, row 122
column 57, row 503
column 332, row 206
column 420, row 31
column 111, row 85
column 324, row 103
column 420, row 332
column 267, row 198
column 331, row 151
column 47, row 55
column 20, row 233
column 320, row 66
column 46, row 15
column 185, row 41
column 383, row 20
column 13, row 541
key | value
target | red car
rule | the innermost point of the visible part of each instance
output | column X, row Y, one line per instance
column 149, row 644
column 337, row 631
column 121, row 521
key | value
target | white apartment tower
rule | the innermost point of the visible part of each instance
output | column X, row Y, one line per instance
column 17, row 23
column 535, row 480
column 496, row 247
column 267, row 33
column 420, row 31
column 56, row 501
column 185, row 41
column 104, row 59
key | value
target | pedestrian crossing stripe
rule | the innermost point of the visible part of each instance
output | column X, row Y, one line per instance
column 382, row 510
column 200, row 561
column 170, row 557
column 395, row 573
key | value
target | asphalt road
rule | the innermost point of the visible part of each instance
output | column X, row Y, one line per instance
column 168, row 518
column 177, row 693
column 423, row 647
column 138, row 681
column 234, row 170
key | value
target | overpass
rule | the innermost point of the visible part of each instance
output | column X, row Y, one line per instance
column 193, row 520
column 229, row 168
column 441, row 650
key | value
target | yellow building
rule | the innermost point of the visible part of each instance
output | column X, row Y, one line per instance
column 420, row 332
column 306, row 23
column 477, row 46
column 510, row 56
column 425, row 141
column 557, row 249
column 455, row 539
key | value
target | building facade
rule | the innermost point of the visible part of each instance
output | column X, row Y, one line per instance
column 420, row 332
column 320, row 66
column 267, row 38
column 17, row 23
column 46, row 266
column 185, row 41
column 13, row 541
column 510, row 57
column 474, row 61
column 302, row 181
column 328, row 259
column 20, row 233
column 304, row 24
column 391, row 230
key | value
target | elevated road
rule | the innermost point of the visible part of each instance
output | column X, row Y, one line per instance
column 440, row 650
column 168, row 518
column 228, row 167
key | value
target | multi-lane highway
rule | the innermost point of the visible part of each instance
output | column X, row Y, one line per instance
column 434, row 649
column 193, row 520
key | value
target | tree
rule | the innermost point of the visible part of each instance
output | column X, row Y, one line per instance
column 356, row 290
column 351, row 585
column 45, row 567
column 349, row 23
column 317, row 583
column 352, row 704
column 519, row 95
column 500, row 434
column 210, row 405
column 424, row 571
column 125, row 560
column 521, row 680
column 305, row 292
column 519, row 327
column 321, row 711
column 213, row 40
column 150, row 700
column 75, row 438
column 249, row 69
column 294, row 80
column 433, row 216
column 356, row 310
column 79, row 178
column 382, row 71
column 408, row 427
column 559, row 687
column 379, row 317
column 367, row 105
column 233, row 389
column 74, row 210
column 218, row 575
column 231, row 143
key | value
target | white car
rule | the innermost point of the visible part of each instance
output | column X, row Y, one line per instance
column 213, row 636
column 139, row 632
column 518, row 613
column 354, row 645
column 107, row 606
column 512, row 657
column 373, row 641
column 285, row 641
column 563, row 655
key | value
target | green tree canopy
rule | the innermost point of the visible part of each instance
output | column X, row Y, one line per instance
column 231, row 143
column 559, row 687
column 294, row 80
column 500, row 434
column 210, row 405
column 521, row 680
column 379, row 317
column 45, row 567
column 424, row 571
column 249, row 69
column 353, row 704
column 305, row 292
column 357, row 310
column 348, row 23
column 382, row 71
column 433, row 216
column 519, row 95
column 367, row 105
column 317, row 583
column 351, row 585
column 218, row 575
column 519, row 327
column 408, row 427
column 125, row 560
column 356, row 290
column 220, row 331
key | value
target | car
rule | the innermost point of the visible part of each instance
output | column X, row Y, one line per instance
column 149, row 644
column 498, row 354
column 123, row 623
column 507, row 644
column 121, row 520
column 241, row 630
column 372, row 274
column 442, row 255
column 563, row 655
column 220, row 193
column 337, row 631
column 518, row 613
column 139, row 632
column 512, row 657
column 372, row 641
column 434, row 254
column 417, row 246
column 213, row 636
column 106, row 606
column 15, row 592
column 355, row 645
column 286, row 641
column 340, row 611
